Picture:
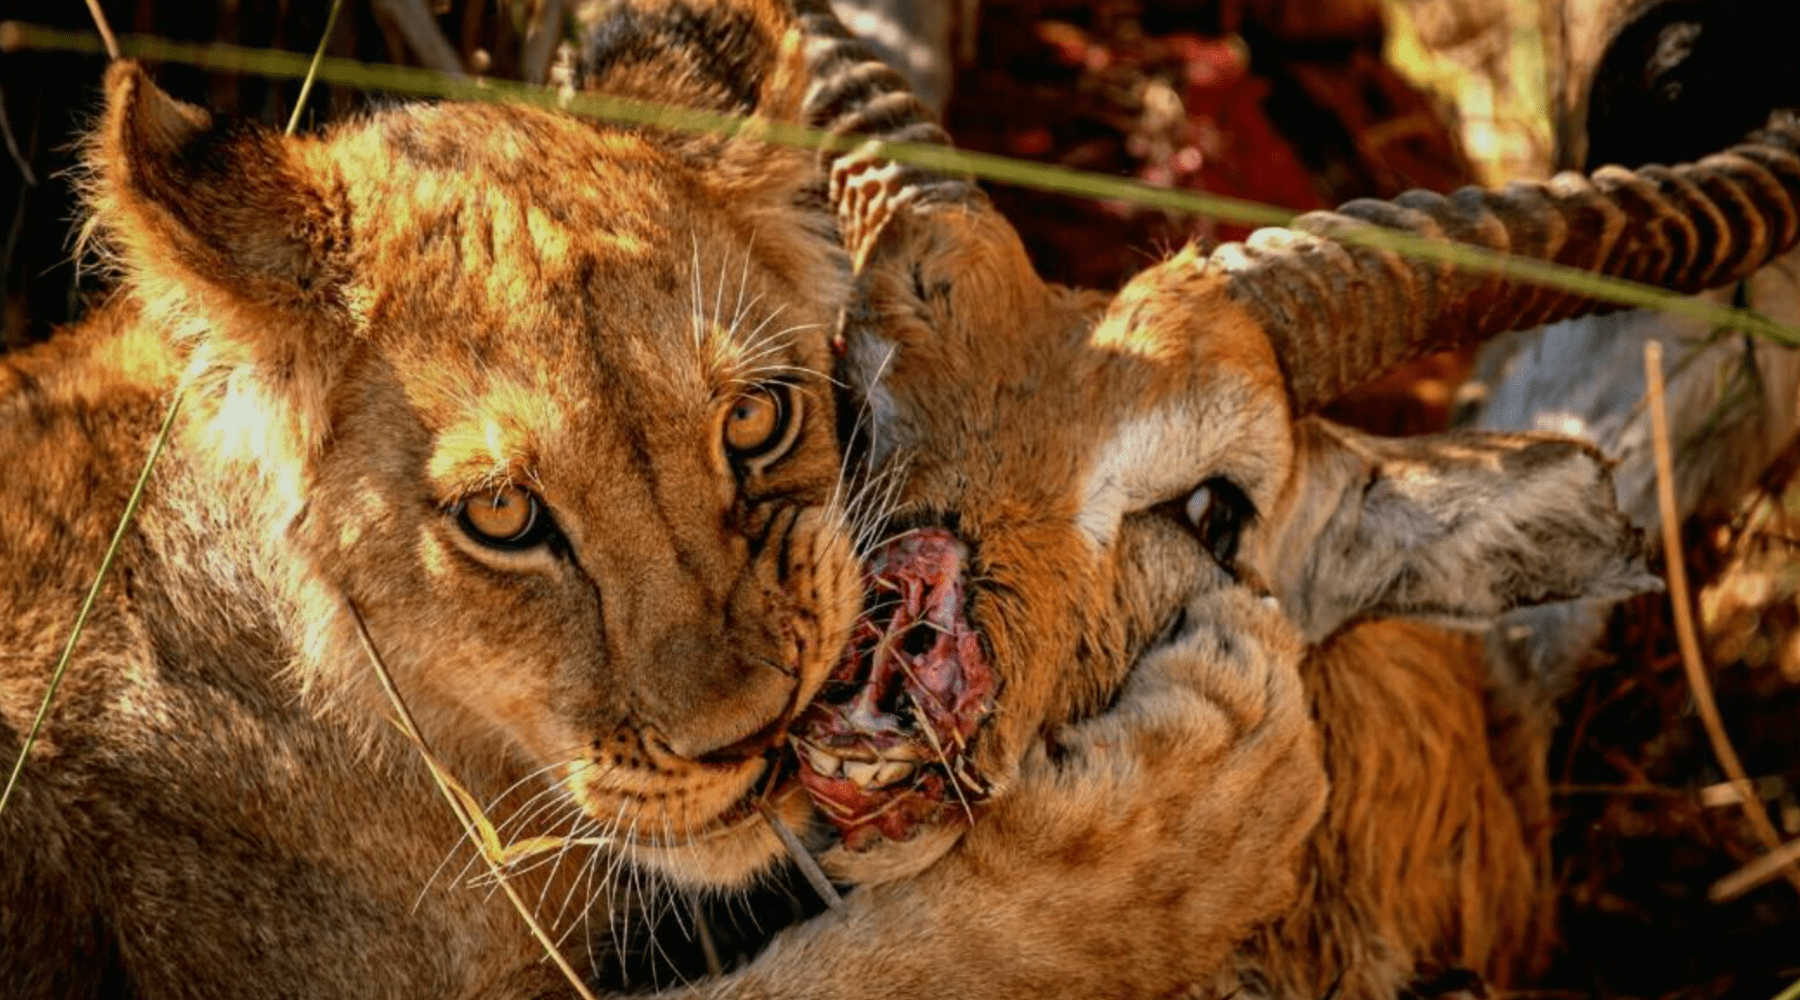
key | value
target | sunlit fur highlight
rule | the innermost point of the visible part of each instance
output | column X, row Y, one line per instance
column 371, row 326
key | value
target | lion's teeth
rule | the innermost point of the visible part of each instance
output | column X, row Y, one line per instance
column 861, row 772
column 893, row 771
column 822, row 762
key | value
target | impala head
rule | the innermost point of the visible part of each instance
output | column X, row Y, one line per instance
column 1073, row 469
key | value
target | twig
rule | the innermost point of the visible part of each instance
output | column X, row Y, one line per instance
column 702, row 930
column 540, row 40
column 1754, row 874
column 442, row 779
column 1698, row 684
column 415, row 24
column 1725, row 793
column 107, row 37
column 1645, row 790
column 12, row 145
column 815, row 876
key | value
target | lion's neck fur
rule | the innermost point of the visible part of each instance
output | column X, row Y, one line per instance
column 237, row 595
column 218, row 647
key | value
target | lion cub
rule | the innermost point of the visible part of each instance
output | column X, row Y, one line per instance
column 545, row 406
column 543, row 403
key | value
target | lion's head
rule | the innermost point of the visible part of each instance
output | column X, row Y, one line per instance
column 545, row 402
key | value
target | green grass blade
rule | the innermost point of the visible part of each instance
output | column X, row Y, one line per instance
column 1022, row 173
column 87, row 603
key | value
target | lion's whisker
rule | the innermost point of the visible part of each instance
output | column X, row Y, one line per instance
column 696, row 294
column 468, row 837
column 737, row 313
column 572, row 819
column 596, row 845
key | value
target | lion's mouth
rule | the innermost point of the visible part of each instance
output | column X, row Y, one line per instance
column 885, row 746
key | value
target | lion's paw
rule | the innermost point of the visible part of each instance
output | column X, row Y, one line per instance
column 1168, row 826
column 1134, row 852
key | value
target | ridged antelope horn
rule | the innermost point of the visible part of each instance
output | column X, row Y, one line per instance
column 854, row 94
column 1341, row 314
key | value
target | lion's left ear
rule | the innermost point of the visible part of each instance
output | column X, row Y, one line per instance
column 225, row 212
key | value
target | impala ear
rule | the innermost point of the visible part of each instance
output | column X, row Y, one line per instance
column 1455, row 528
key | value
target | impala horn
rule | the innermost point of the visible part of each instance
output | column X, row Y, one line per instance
column 859, row 101
column 1342, row 313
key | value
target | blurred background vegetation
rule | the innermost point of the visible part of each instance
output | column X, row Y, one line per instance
column 1298, row 103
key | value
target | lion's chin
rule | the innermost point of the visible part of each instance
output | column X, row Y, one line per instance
column 702, row 827
column 732, row 851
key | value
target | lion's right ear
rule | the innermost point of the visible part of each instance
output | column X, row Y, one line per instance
column 224, row 213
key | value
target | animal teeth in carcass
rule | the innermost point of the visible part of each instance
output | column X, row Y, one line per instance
column 893, row 771
column 822, row 762
column 861, row 772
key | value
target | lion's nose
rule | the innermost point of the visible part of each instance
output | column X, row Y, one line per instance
column 712, row 700
column 757, row 744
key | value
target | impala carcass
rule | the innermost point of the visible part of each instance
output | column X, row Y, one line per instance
column 1098, row 437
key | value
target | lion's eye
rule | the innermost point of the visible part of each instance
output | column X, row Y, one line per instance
column 507, row 518
column 1217, row 511
column 761, row 423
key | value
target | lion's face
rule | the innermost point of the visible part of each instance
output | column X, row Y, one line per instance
column 544, row 402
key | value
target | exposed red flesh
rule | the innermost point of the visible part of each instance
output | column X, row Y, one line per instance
column 915, row 685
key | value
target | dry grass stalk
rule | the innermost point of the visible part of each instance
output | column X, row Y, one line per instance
column 475, row 824
column 1691, row 662
column 107, row 37
column 815, row 876
column 1754, row 874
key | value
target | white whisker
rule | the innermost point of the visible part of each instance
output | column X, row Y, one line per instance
column 697, row 294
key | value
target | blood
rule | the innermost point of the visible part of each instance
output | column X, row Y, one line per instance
column 914, row 685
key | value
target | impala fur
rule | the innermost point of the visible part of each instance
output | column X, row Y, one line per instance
column 1095, row 417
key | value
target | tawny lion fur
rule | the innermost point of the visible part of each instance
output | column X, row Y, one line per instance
column 379, row 325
